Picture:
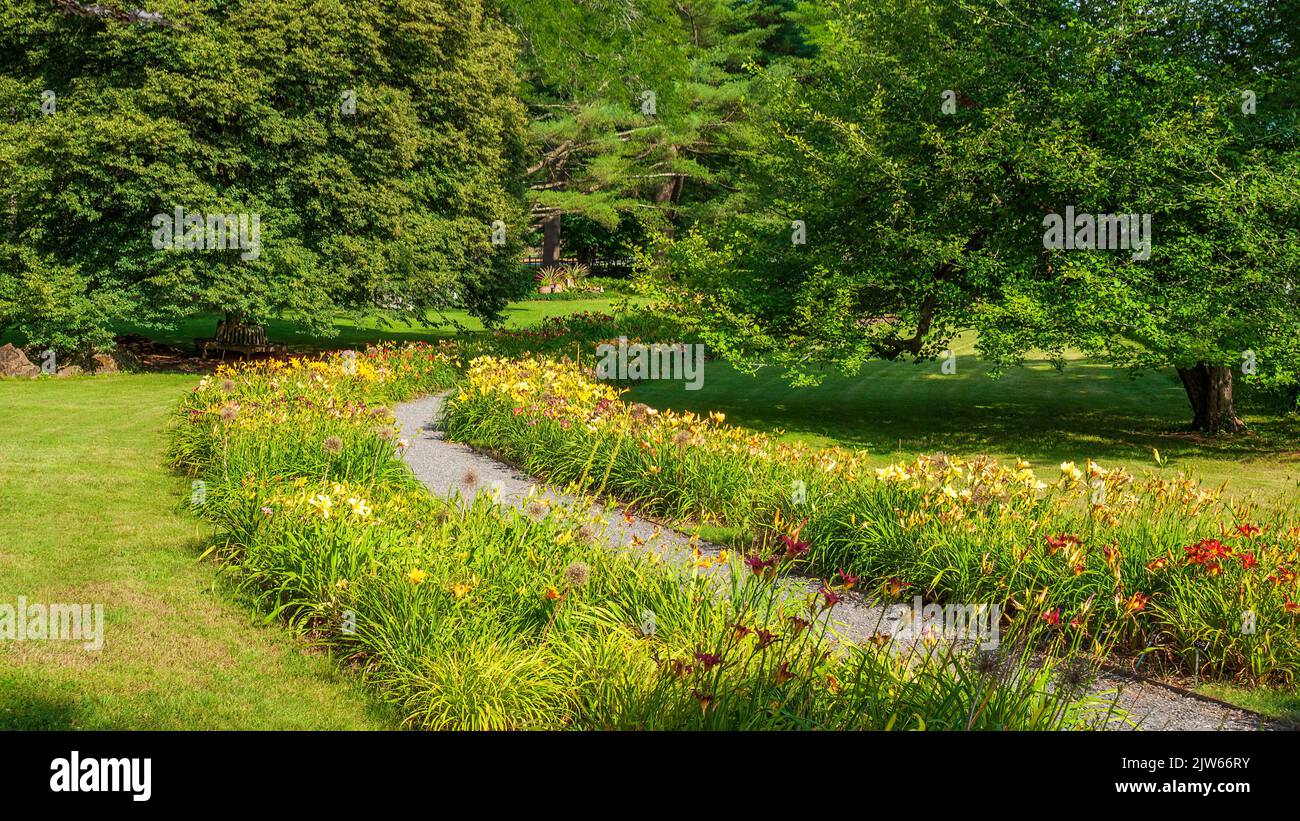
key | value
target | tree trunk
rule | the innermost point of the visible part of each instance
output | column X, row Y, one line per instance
column 668, row 195
column 1209, row 390
column 551, row 240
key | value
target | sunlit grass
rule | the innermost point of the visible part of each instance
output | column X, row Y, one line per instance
column 88, row 513
column 901, row 410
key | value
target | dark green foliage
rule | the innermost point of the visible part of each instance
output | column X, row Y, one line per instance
column 922, row 222
column 238, row 107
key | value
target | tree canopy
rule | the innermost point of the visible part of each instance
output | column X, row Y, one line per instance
column 924, row 151
column 377, row 142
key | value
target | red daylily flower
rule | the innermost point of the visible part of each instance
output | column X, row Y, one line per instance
column 830, row 596
column 760, row 566
column 708, row 660
column 793, row 547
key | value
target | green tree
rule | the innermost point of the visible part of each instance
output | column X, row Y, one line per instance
column 923, row 151
column 376, row 141
column 655, row 102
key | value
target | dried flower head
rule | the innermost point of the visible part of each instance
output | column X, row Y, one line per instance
column 1075, row 675
column 577, row 574
column 332, row 444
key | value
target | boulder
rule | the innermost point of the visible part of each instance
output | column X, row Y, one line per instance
column 104, row 363
column 13, row 362
column 70, row 370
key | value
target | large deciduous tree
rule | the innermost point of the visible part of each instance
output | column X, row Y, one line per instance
column 377, row 142
column 922, row 154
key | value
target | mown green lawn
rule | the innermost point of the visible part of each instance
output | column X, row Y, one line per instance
column 89, row 514
column 898, row 410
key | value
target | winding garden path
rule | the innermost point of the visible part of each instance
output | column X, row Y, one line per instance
column 450, row 468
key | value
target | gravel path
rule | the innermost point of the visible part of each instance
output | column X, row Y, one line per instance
column 451, row 468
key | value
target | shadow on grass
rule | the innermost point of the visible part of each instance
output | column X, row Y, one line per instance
column 28, row 702
column 1088, row 411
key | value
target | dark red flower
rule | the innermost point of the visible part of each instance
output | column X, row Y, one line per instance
column 830, row 597
column 1053, row 616
column 760, row 566
column 708, row 660
column 793, row 547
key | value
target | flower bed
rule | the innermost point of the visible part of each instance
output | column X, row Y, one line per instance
column 1101, row 558
column 484, row 618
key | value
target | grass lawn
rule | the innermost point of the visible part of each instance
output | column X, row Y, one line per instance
column 898, row 410
column 1270, row 702
column 89, row 514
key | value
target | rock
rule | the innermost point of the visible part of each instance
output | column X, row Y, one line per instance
column 70, row 370
column 104, row 363
column 13, row 362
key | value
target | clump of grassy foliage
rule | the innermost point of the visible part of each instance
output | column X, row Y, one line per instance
column 476, row 617
column 1165, row 568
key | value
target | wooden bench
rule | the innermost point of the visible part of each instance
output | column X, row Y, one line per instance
column 239, row 338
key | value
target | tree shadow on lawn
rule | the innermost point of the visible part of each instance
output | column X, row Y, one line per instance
column 27, row 702
column 1035, row 412
column 356, row 332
